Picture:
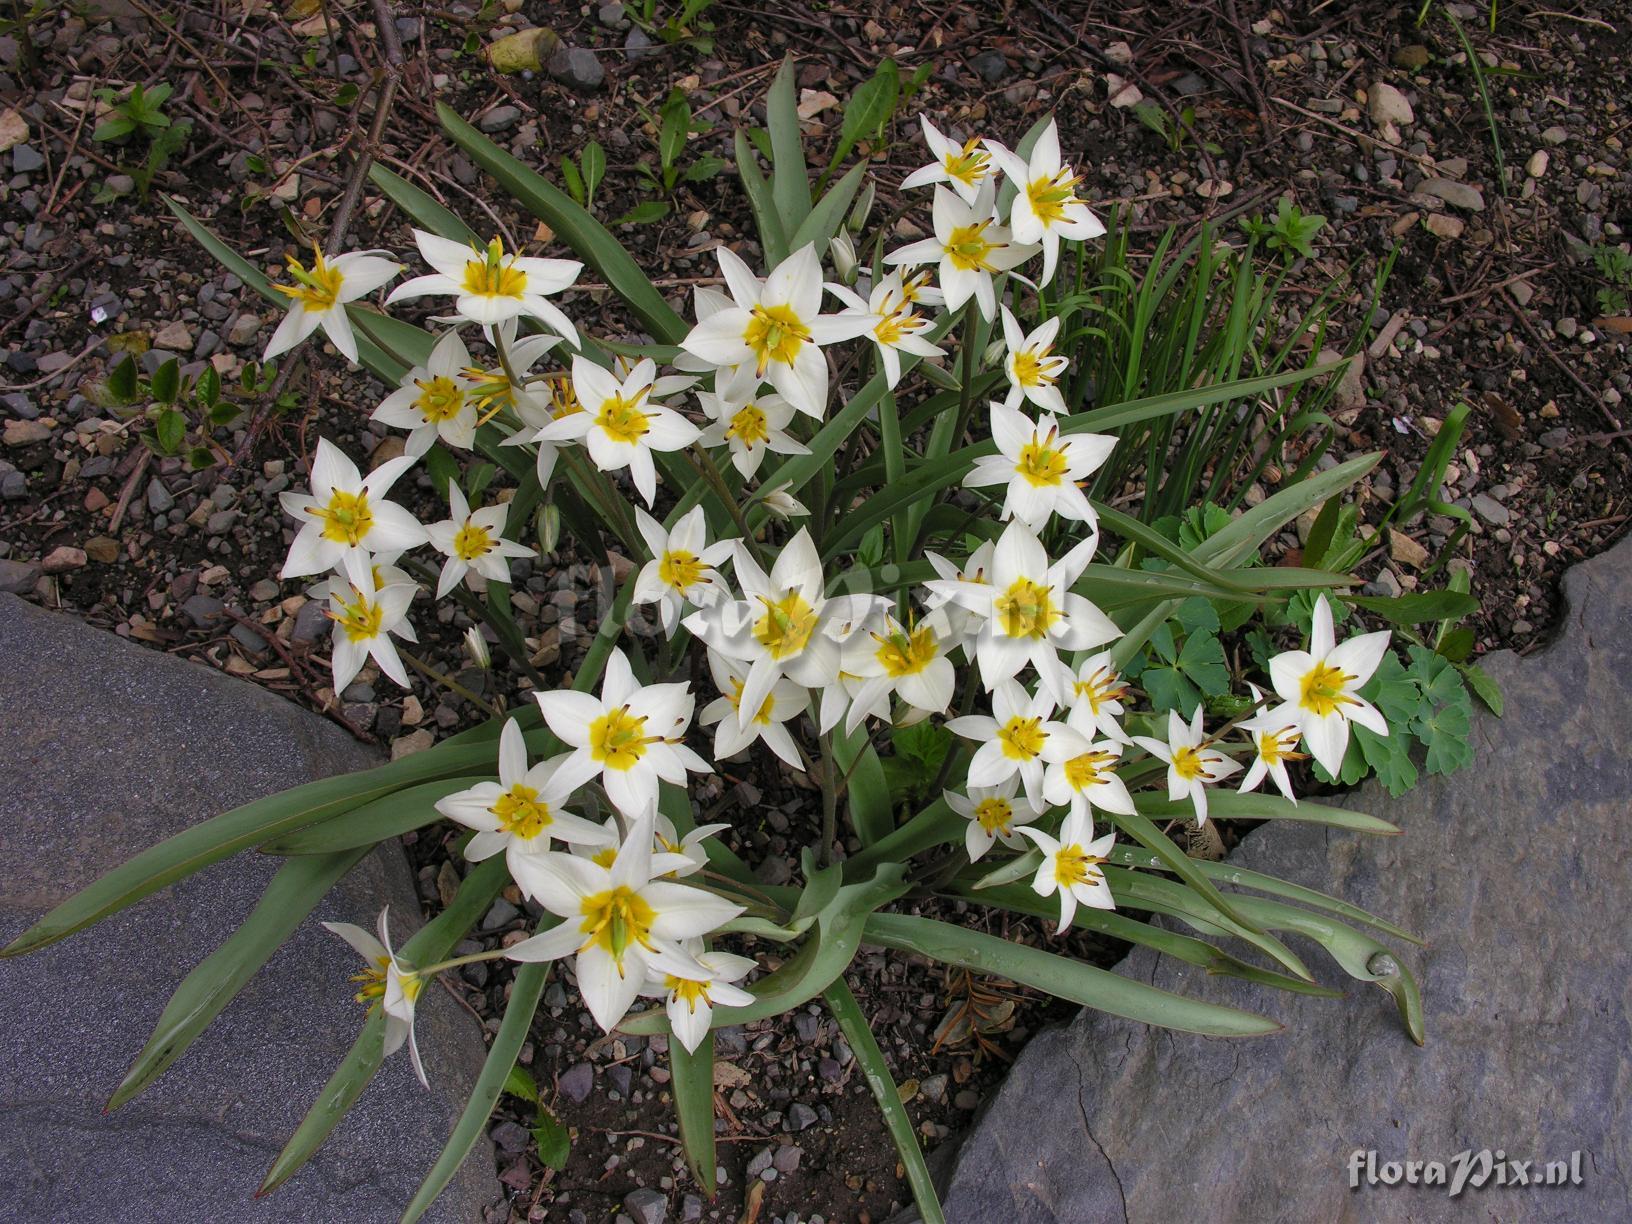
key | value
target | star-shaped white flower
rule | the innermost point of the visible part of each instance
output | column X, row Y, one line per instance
column 904, row 660
column 489, row 285
column 1275, row 732
column 1088, row 780
column 682, row 569
column 435, row 400
column 522, row 812
column 966, row 168
column 1096, row 698
column 386, row 983
column 1046, row 208
column 774, row 329
column 1322, row 687
column 364, row 620
column 994, row 814
column 319, row 295
column 1192, row 766
column 473, row 542
column 345, row 517
column 690, row 1002
column 1032, row 365
column 622, row 925
column 1029, row 611
column 750, row 429
column 631, row 737
column 1042, row 468
column 1073, row 866
column 892, row 324
column 970, row 248
column 1019, row 738
column 782, row 704
column 620, row 425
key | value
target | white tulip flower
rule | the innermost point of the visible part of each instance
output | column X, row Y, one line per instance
column 750, row 429
column 318, row 298
column 1072, row 866
column 1275, row 732
column 892, row 324
column 522, row 812
column 388, row 984
column 906, row 660
column 489, row 286
column 782, row 505
column 683, row 566
column 1019, row 738
column 1046, row 208
column 1030, row 613
column 994, row 814
column 473, row 542
column 675, row 857
column 1322, row 686
column 690, row 1002
column 1041, row 468
column 1088, row 780
column 631, row 737
column 775, row 328
column 364, row 620
column 1096, row 698
column 345, row 517
column 622, row 925
column 620, row 425
column 783, row 703
column 435, row 400
column 966, row 168
column 970, row 248
column 1191, row 765
column 1032, row 365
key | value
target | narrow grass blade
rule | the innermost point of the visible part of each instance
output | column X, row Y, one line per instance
column 292, row 894
column 501, row 1057
column 858, row 1035
column 1062, row 977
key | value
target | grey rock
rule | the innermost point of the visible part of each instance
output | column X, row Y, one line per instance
column 172, row 744
column 1387, row 104
column 19, row 577
column 1458, row 195
column 204, row 611
column 646, row 1206
column 637, row 44
column 500, row 914
column 220, row 522
column 1555, row 439
column 499, row 118
column 577, row 1082
column 611, row 16
column 243, row 329
column 1555, row 135
column 13, row 486
column 121, row 184
column 787, row 1158
column 1524, row 982
column 1491, row 510
column 20, row 406
column 159, row 500
column 800, row 1116
column 577, row 68
column 311, row 621
column 26, row 158
column 990, row 64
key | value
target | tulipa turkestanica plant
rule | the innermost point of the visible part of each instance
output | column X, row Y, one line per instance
column 853, row 488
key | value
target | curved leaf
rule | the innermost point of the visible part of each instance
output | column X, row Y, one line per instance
column 408, row 809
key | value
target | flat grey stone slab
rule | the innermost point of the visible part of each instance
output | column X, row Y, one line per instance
column 105, row 749
column 1515, row 871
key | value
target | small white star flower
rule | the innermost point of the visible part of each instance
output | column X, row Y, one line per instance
column 970, row 248
column 1019, row 738
column 1046, row 208
column 364, row 620
column 435, row 400
column 1275, row 732
column 345, row 517
column 892, row 324
column 386, row 983
column 319, row 295
column 1032, row 365
column 1322, row 687
column 1192, row 766
column 1088, row 780
column 1042, row 468
column 473, row 542
column 690, row 1002
column 682, row 570
column 782, row 704
column 994, row 814
column 908, row 661
column 1073, row 866
column 966, row 168
column 489, row 286
column 750, row 429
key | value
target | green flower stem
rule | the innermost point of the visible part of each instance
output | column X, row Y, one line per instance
column 449, row 683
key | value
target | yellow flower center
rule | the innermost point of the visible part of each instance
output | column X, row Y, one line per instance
column 1026, row 609
column 687, row 991
column 1022, row 738
column 318, row 289
column 563, row 397
column 786, row 626
column 748, row 426
column 490, row 389
column 775, row 333
column 897, row 325
column 622, row 419
column 1036, row 367
column 361, row 620
column 346, row 519
column 1074, row 865
column 1189, row 764
column 618, row 739
column 904, row 654
column 681, row 570
column 763, row 715
column 1270, row 747
column 439, row 399
column 1040, row 463
column 1051, row 196
column 969, row 164
column 994, row 815
column 913, row 287
column 493, row 275
column 604, row 856
column 1100, row 689
column 519, row 811
column 371, row 981
column 968, row 248
column 1323, row 690
column 616, row 918
column 1087, row 770
column 471, row 542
